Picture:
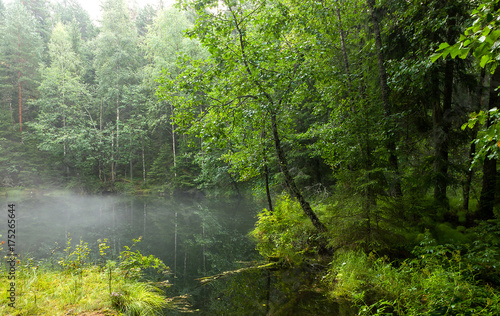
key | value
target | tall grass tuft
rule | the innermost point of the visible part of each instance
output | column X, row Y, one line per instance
column 138, row 299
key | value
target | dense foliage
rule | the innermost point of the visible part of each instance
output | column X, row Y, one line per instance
column 354, row 120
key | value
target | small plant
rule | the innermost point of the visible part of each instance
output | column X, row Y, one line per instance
column 110, row 265
column 134, row 262
column 77, row 259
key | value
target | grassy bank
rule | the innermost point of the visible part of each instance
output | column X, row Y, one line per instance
column 42, row 291
column 83, row 282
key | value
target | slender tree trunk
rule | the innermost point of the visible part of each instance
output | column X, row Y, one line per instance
column 117, row 135
column 19, row 77
column 20, row 105
column 472, row 151
column 384, row 91
column 487, row 199
column 343, row 45
column 112, row 158
column 468, row 180
column 268, row 192
column 11, row 109
column 266, row 170
column 292, row 187
column 100, row 144
column 131, row 164
column 66, row 163
column 442, row 125
column 441, row 136
column 173, row 140
column 143, row 164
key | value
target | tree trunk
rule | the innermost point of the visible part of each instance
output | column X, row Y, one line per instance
column 292, row 187
column 441, row 138
column 20, row 106
column 66, row 163
column 395, row 183
column 173, row 140
column 143, row 165
column 117, row 134
column 472, row 151
column 468, row 179
column 343, row 45
column 112, row 158
column 268, row 192
column 19, row 80
column 100, row 143
column 487, row 199
column 131, row 164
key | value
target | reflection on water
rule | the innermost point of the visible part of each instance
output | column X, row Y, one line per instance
column 194, row 238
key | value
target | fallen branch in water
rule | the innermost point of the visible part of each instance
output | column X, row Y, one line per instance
column 206, row 280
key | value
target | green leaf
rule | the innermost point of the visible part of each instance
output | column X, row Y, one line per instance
column 435, row 56
column 484, row 60
column 443, row 46
column 464, row 53
column 454, row 52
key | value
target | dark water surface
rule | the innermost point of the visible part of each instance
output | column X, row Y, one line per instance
column 194, row 237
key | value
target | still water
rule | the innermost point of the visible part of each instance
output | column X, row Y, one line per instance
column 194, row 237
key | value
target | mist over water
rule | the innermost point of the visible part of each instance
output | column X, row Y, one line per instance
column 193, row 237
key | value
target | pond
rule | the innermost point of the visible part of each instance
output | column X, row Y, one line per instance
column 195, row 237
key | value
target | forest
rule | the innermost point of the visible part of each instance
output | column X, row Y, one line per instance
column 368, row 128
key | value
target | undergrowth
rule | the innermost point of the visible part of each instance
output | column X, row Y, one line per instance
column 79, row 285
column 438, row 280
column 442, row 271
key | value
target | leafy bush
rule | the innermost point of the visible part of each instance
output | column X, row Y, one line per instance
column 286, row 233
column 134, row 262
column 76, row 259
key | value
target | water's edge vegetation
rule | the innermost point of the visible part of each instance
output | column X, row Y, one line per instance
column 457, row 274
column 366, row 131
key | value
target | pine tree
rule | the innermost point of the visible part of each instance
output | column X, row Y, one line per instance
column 21, row 47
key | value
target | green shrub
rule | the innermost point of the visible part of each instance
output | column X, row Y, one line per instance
column 438, row 281
column 286, row 233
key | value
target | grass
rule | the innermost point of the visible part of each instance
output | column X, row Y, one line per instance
column 438, row 281
column 45, row 291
